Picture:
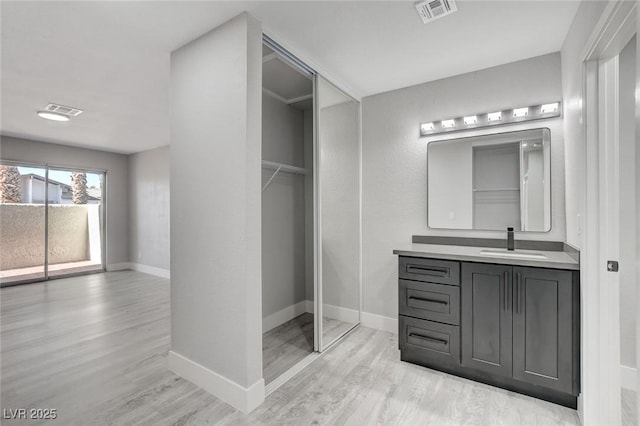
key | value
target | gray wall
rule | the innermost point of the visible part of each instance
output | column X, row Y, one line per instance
column 216, row 295
column 283, row 208
column 451, row 194
column 149, row 207
column 116, row 166
column 394, row 159
column 628, row 212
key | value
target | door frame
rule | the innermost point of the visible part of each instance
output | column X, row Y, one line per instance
column 600, row 401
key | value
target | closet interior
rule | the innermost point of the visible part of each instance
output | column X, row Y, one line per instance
column 287, row 214
column 310, row 214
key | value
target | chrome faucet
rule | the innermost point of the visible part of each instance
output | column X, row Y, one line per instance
column 510, row 242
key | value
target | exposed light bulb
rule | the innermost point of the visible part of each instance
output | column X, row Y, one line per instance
column 520, row 112
column 447, row 124
column 427, row 127
column 494, row 116
column 548, row 108
column 472, row 119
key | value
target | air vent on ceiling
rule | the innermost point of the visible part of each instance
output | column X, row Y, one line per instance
column 430, row 10
column 61, row 109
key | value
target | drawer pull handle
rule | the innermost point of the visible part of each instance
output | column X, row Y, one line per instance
column 429, row 339
column 435, row 272
column 441, row 302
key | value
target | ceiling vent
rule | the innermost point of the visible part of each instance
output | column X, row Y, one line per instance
column 431, row 10
column 61, row 109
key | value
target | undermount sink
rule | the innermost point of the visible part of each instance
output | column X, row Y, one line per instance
column 514, row 254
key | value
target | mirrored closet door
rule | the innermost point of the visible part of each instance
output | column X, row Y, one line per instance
column 338, row 147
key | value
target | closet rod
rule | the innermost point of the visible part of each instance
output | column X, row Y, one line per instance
column 281, row 167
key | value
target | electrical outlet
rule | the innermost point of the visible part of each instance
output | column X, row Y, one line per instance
column 139, row 255
column 452, row 215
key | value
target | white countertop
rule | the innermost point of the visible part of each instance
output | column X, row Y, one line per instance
column 551, row 259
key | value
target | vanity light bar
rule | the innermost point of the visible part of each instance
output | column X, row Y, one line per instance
column 497, row 118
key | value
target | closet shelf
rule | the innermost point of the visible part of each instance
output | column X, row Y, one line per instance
column 496, row 189
column 287, row 168
column 281, row 167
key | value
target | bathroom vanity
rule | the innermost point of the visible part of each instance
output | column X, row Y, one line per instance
column 506, row 318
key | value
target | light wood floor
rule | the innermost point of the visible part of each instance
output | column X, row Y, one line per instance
column 286, row 345
column 289, row 343
column 332, row 329
column 629, row 408
column 95, row 349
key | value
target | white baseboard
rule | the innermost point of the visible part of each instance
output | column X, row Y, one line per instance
column 151, row 270
column 379, row 322
column 340, row 314
column 244, row 399
column 118, row 266
column 367, row 319
column 309, row 306
column 628, row 377
column 277, row 318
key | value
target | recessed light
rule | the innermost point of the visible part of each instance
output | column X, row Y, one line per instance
column 48, row 115
column 447, row 124
column 472, row 119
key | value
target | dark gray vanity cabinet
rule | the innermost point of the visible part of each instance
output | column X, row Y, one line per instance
column 486, row 315
column 544, row 305
column 518, row 322
column 510, row 326
column 429, row 307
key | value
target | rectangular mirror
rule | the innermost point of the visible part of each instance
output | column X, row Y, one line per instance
column 491, row 182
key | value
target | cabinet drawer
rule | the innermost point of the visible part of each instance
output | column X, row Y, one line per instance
column 435, row 302
column 429, row 270
column 430, row 341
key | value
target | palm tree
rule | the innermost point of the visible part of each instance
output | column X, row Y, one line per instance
column 79, row 188
column 9, row 184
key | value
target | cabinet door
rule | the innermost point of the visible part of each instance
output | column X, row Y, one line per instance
column 542, row 327
column 486, row 318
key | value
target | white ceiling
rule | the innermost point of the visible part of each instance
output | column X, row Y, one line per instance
column 112, row 58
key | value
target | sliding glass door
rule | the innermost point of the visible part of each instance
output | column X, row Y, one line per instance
column 22, row 223
column 74, row 231
column 52, row 222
